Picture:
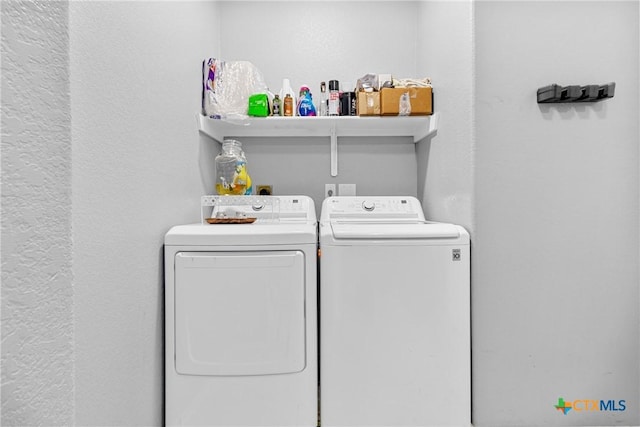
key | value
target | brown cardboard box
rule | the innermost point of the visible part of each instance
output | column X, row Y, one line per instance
column 420, row 97
column 368, row 103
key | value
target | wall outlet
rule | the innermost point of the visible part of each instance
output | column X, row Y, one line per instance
column 329, row 190
column 347, row 189
column 264, row 190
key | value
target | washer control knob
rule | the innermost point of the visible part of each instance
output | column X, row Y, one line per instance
column 368, row 205
column 257, row 207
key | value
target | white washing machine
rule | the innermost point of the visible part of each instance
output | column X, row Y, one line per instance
column 241, row 315
column 394, row 315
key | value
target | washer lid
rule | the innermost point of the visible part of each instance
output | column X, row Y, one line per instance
column 393, row 230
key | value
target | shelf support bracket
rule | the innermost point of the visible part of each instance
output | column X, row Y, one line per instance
column 334, row 151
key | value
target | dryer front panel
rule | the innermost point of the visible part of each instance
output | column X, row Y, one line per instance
column 239, row 313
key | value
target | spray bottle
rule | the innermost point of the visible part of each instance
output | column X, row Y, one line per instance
column 287, row 89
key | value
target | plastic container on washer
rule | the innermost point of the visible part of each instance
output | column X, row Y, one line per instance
column 231, row 170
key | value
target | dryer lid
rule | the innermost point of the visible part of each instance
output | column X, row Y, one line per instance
column 242, row 234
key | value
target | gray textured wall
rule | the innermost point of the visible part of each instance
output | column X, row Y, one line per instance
column 136, row 170
column 135, row 87
column 37, row 321
column 445, row 163
column 555, row 252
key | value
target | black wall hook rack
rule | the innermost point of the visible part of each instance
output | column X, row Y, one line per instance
column 590, row 93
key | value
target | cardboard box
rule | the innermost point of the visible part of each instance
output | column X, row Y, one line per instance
column 368, row 103
column 421, row 100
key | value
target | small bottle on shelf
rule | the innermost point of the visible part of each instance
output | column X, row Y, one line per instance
column 334, row 98
column 288, row 105
column 322, row 104
column 287, row 90
column 276, row 110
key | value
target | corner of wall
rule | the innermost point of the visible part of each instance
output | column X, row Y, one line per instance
column 445, row 163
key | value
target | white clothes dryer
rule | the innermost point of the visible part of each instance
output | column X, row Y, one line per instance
column 394, row 315
column 241, row 315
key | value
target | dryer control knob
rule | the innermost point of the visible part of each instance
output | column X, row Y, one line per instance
column 368, row 205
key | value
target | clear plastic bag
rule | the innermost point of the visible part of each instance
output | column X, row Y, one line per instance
column 227, row 86
column 405, row 105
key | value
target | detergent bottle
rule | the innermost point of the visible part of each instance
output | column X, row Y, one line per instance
column 231, row 170
column 305, row 103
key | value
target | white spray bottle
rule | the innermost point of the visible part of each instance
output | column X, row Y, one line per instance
column 287, row 89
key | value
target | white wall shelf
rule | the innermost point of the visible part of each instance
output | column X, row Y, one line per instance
column 416, row 127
